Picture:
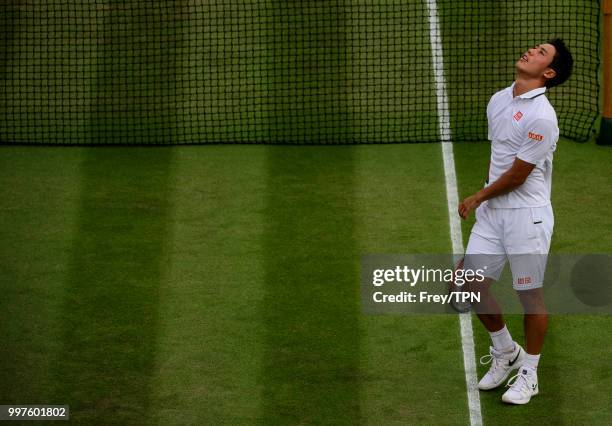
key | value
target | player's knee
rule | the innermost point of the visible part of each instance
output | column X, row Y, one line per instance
column 532, row 301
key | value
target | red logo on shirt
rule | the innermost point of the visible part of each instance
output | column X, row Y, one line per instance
column 518, row 116
column 535, row 136
column 525, row 280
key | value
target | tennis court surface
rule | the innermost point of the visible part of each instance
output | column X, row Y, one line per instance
column 218, row 283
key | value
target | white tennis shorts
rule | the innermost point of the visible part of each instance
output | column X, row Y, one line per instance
column 521, row 236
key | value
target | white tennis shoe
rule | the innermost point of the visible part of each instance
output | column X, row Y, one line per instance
column 502, row 364
column 522, row 387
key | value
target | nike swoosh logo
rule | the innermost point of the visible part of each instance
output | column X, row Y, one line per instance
column 511, row 363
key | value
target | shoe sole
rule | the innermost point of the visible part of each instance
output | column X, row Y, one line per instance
column 522, row 401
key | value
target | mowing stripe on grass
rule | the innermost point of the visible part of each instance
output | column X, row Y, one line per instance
column 210, row 338
column 465, row 320
column 110, row 309
column 38, row 205
column 311, row 300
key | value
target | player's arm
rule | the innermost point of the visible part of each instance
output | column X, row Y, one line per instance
column 540, row 137
column 510, row 180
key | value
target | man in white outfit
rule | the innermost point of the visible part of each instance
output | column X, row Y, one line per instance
column 514, row 217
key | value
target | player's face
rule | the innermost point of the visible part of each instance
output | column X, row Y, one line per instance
column 536, row 61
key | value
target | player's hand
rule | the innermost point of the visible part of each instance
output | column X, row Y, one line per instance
column 468, row 205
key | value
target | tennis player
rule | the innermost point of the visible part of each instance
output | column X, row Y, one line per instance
column 514, row 217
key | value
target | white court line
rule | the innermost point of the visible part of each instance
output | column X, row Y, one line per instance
column 452, row 198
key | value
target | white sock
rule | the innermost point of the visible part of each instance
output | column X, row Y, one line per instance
column 502, row 341
column 531, row 361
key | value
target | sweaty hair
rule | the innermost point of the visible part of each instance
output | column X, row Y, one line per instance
column 562, row 63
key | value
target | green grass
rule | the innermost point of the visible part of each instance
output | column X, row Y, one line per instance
column 221, row 285
column 110, row 314
column 39, row 192
column 211, row 338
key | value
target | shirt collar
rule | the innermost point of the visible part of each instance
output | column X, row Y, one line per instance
column 531, row 94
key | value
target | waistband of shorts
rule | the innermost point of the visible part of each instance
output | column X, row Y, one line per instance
column 519, row 207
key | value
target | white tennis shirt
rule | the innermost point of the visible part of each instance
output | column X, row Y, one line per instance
column 526, row 127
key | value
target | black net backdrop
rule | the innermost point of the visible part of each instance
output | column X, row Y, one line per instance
column 262, row 71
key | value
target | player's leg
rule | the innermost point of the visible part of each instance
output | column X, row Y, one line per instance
column 528, row 252
column 525, row 384
column 505, row 355
column 486, row 253
column 487, row 309
column 535, row 319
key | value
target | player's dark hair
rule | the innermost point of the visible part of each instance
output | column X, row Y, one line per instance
column 562, row 63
